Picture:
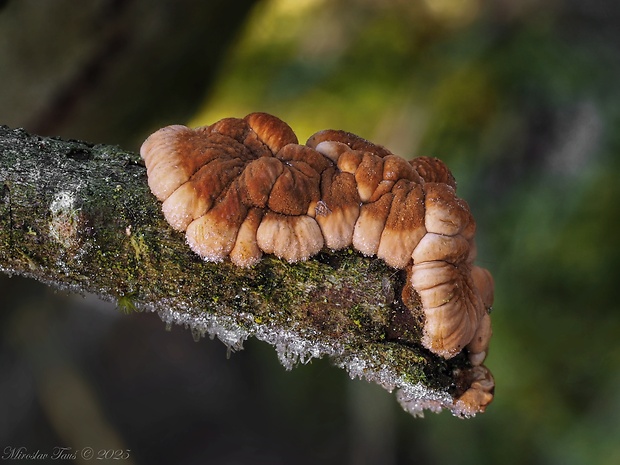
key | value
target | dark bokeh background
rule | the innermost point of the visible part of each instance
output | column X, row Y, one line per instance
column 521, row 98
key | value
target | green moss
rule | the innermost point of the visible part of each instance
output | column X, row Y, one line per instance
column 126, row 305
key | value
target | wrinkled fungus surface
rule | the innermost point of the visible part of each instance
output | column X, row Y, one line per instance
column 241, row 188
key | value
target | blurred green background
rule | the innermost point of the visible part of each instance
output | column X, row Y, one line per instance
column 519, row 97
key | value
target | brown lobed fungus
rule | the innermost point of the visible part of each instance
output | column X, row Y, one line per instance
column 243, row 187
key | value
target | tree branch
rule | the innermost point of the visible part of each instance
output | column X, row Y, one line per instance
column 80, row 217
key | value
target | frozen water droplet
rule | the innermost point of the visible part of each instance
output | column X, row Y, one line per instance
column 168, row 326
column 197, row 334
column 8, row 272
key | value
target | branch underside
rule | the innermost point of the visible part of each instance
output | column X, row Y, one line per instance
column 81, row 217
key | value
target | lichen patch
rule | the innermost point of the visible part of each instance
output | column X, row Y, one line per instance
column 65, row 219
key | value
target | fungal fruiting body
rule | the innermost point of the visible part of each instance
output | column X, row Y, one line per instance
column 240, row 188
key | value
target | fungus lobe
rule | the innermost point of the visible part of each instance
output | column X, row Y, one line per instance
column 240, row 188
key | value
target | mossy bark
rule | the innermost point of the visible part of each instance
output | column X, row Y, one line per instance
column 80, row 217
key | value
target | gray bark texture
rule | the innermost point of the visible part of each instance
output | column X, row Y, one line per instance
column 81, row 218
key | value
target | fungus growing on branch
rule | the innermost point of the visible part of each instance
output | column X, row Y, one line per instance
column 241, row 188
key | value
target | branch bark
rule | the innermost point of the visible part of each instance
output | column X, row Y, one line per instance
column 80, row 217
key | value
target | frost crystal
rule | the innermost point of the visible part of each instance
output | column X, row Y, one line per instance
column 417, row 398
column 413, row 398
column 295, row 346
column 225, row 328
